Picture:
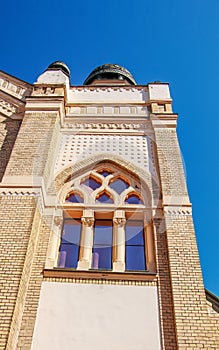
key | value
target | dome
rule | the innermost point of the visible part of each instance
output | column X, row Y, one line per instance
column 110, row 71
column 59, row 65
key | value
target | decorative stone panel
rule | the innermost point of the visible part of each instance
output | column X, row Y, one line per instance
column 136, row 149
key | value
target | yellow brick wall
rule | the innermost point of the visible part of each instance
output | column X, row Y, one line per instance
column 8, row 132
column 193, row 325
column 17, row 214
column 32, row 147
column 167, row 320
column 170, row 161
column 34, row 287
column 33, row 155
column 194, row 328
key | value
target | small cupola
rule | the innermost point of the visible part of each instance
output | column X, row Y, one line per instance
column 59, row 65
column 56, row 73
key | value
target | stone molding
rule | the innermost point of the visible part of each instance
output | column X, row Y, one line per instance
column 72, row 276
column 178, row 211
column 104, row 109
column 110, row 88
column 107, row 126
column 49, row 90
column 11, row 107
column 77, row 169
column 14, row 87
column 19, row 193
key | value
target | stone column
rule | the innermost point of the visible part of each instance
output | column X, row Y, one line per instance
column 85, row 256
column 119, row 244
column 150, row 252
column 53, row 248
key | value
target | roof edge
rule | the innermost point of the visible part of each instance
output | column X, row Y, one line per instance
column 213, row 299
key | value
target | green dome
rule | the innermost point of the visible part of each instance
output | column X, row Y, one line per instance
column 110, row 71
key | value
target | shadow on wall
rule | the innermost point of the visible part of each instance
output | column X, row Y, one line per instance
column 8, row 133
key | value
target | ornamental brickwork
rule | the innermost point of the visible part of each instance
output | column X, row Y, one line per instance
column 53, row 135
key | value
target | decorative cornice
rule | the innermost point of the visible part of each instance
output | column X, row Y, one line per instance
column 105, row 126
column 19, row 193
column 120, row 88
column 14, row 87
column 10, row 106
column 10, row 110
column 178, row 211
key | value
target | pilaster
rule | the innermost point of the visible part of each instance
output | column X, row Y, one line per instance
column 119, row 222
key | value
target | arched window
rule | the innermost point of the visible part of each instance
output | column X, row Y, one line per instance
column 105, row 225
column 74, row 197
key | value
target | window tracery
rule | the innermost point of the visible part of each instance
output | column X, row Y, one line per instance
column 109, row 232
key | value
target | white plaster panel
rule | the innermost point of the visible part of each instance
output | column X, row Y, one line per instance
column 108, row 110
column 103, row 95
column 91, row 110
column 124, row 110
column 159, row 92
column 53, row 77
column 96, row 317
column 75, row 110
column 135, row 149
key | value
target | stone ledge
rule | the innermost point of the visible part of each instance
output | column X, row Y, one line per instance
column 99, row 275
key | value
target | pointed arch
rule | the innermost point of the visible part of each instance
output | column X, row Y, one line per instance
column 75, row 169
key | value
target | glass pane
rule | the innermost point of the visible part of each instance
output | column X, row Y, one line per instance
column 119, row 185
column 91, row 183
column 69, row 249
column 71, row 231
column 133, row 199
column 102, row 250
column 105, row 198
column 135, row 232
column 135, row 258
column 74, row 198
column 105, row 173
column 103, row 232
column 102, row 258
column 68, row 255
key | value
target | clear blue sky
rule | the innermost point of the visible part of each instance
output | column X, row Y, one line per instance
column 171, row 41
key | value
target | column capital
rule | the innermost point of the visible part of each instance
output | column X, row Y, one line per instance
column 88, row 221
column 58, row 220
column 119, row 221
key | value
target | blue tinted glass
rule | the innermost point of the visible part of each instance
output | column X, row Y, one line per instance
column 71, row 231
column 75, row 198
column 119, row 186
column 135, row 258
column 103, row 232
column 134, row 233
column 133, row 200
column 68, row 255
column 102, row 258
column 93, row 184
column 104, row 173
column 104, row 198
column 102, row 249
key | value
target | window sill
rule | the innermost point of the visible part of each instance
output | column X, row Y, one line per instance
column 100, row 275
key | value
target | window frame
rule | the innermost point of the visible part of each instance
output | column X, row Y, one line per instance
column 81, row 209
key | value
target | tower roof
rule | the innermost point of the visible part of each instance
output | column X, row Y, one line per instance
column 59, row 65
column 110, row 71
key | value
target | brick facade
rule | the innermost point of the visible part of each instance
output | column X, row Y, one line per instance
column 31, row 208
